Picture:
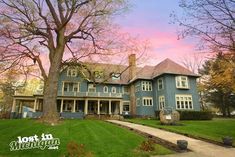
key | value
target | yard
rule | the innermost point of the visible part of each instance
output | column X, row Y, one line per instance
column 212, row 130
column 99, row 138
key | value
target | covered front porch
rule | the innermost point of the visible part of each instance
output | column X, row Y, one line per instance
column 90, row 106
column 32, row 107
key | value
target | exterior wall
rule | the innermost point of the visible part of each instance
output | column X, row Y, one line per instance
column 171, row 91
column 140, row 94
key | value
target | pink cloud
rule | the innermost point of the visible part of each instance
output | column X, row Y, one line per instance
column 163, row 44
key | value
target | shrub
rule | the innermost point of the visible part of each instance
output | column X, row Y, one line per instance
column 147, row 146
column 157, row 114
column 195, row 115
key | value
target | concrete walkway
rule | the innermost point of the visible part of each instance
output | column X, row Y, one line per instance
column 199, row 148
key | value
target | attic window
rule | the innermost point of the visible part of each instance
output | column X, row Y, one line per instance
column 116, row 76
column 98, row 74
column 72, row 72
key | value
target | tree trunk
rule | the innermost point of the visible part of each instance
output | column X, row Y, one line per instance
column 223, row 106
column 50, row 114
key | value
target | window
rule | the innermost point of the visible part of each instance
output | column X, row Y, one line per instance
column 146, row 86
column 91, row 88
column 147, row 101
column 125, row 90
column 182, row 82
column 161, row 102
column 184, row 102
column 71, row 87
column 126, row 106
column 98, row 74
column 116, row 76
column 105, row 89
column 114, row 89
column 160, row 84
column 72, row 72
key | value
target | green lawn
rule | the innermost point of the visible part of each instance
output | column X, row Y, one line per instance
column 99, row 137
column 213, row 130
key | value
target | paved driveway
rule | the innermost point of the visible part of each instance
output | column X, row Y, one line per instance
column 199, row 148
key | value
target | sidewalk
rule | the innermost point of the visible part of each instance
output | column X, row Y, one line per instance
column 199, row 148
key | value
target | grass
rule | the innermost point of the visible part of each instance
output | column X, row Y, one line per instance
column 213, row 130
column 99, row 137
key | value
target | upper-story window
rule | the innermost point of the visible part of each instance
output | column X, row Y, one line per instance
column 184, row 101
column 147, row 101
column 71, row 87
column 161, row 102
column 125, row 89
column 98, row 74
column 160, row 84
column 72, row 72
column 182, row 82
column 91, row 88
column 114, row 90
column 105, row 89
column 146, row 86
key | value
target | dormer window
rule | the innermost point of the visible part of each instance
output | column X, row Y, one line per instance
column 98, row 74
column 72, row 72
column 182, row 82
column 116, row 76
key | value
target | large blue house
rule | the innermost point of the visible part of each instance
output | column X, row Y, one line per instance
column 107, row 89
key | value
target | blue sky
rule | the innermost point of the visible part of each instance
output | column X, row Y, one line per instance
column 150, row 20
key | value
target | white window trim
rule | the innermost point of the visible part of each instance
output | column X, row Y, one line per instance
column 105, row 87
column 148, row 85
column 123, row 90
column 123, row 105
column 158, row 84
column 92, row 87
column 72, row 72
column 78, row 87
column 180, row 80
column 147, row 98
column 114, row 90
column 160, row 98
column 184, row 96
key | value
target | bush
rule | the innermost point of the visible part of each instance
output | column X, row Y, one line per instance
column 147, row 146
column 157, row 114
column 195, row 115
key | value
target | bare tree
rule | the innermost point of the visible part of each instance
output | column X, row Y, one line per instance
column 213, row 21
column 57, row 30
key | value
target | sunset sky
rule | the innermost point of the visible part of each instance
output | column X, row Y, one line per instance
column 150, row 20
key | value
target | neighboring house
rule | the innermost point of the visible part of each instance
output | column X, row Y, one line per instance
column 106, row 89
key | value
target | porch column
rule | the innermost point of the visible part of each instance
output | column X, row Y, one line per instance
column 120, row 107
column 35, row 105
column 61, row 105
column 74, row 105
column 86, row 106
column 20, row 108
column 98, row 109
column 110, row 111
column 13, row 109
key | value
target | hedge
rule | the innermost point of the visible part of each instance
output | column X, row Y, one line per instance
column 192, row 115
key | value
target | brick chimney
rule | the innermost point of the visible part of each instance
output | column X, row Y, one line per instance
column 132, row 66
column 132, row 75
